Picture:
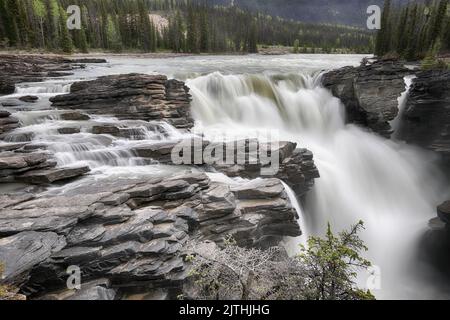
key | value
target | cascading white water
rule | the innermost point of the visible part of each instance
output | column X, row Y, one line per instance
column 392, row 187
column 49, row 87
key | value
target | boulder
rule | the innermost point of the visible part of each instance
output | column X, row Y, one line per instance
column 369, row 92
column 21, row 252
column 29, row 99
column 52, row 175
column 68, row 130
column 131, row 97
column 443, row 212
column 31, row 68
column 74, row 116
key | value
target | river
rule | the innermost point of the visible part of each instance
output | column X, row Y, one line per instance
column 394, row 188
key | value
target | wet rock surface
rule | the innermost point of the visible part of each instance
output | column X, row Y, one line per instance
column 293, row 165
column 370, row 93
column 426, row 119
column 127, row 234
column 132, row 232
column 7, row 122
column 34, row 68
column 132, row 96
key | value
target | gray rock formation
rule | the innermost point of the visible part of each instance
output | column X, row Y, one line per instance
column 35, row 68
column 34, row 168
column 132, row 96
column 369, row 93
column 426, row 119
column 295, row 166
column 21, row 252
column 133, row 231
column 7, row 123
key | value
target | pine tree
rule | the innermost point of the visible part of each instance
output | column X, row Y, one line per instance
column 437, row 27
column 401, row 42
column 10, row 23
column 66, row 44
column 384, row 34
column 113, row 37
column 204, row 36
column 253, row 41
column 411, row 49
column 80, row 40
column 40, row 12
column 192, row 31
column 296, row 46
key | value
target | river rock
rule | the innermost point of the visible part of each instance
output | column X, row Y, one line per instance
column 443, row 211
column 32, row 68
column 369, row 92
column 52, row 175
column 294, row 166
column 131, row 96
column 426, row 118
column 21, row 252
column 29, row 99
column 74, row 116
column 69, row 130
column 7, row 122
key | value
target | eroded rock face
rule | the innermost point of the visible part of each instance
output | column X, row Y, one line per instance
column 132, row 96
column 7, row 122
column 20, row 252
column 132, row 232
column 426, row 119
column 34, row 168
column 35, row 68
column 294, row 165
column 370, row 93
column 129, row 234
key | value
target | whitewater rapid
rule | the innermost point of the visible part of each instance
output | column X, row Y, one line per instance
column 392, row 187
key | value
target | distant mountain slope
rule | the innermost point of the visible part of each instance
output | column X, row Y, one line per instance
column 349, row 12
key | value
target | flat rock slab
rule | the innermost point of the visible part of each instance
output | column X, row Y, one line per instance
column 53, row 175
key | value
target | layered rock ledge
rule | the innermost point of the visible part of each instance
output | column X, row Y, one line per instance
column 369, row 92
column 129, row 234
column 35, row 68
column 131, row 96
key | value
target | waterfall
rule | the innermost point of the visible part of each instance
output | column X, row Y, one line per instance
column 292, row 245
column 49, row 87
column 392, row 187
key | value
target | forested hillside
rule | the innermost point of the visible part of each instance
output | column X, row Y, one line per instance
column 415, row 31
column 346, row 12
column 175, row 25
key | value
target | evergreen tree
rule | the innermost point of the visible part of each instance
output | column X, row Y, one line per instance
column 39, row 10
column 384, row 34
column 437, row 28
column 296, row 46
column 411, row 49
column 66, row 44
column 192, row 31
column 112, row 34
column 204, row 36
